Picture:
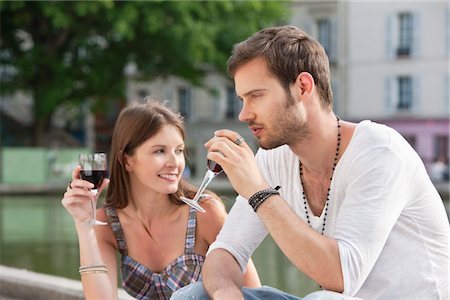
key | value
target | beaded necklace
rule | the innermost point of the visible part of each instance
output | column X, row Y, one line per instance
column 331, row 178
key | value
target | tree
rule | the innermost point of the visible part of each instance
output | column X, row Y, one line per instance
column 67, row 52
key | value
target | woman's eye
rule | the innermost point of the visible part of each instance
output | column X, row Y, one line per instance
column 180, row 151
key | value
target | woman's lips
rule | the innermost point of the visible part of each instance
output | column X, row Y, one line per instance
column 169, row 177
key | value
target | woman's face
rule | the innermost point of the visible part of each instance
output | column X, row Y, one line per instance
column 158, row 163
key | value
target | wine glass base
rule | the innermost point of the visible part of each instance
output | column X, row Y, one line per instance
column 193, row 204
column 97, row 222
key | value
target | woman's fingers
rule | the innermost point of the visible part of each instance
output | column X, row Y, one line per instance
column 104, row 184
column 76, row 172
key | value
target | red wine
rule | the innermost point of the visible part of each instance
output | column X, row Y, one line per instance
column 93, row 176
column 213, row 166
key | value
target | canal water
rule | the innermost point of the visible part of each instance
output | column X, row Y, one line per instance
column 37, row 234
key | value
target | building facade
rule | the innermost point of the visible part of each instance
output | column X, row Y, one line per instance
column 389, row 63
column 398, row 70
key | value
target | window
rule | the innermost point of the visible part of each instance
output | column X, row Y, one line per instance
column 441, row 146
column 405, row 95
column 402, row 94
column 403, row 35
column 233, row 104
column 142, row 93
column 184, row 102
column 326, row 36
column 405, row 42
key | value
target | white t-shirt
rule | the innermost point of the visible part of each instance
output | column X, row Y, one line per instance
column 384, row 212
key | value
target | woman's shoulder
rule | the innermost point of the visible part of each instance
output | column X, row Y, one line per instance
column 101, row 214
column 211, row 221
column 104, row 233
column 214, row 208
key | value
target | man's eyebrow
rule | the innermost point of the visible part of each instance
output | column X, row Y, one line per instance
column 253, row 91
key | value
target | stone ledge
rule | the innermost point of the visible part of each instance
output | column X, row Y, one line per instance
column 24, row 284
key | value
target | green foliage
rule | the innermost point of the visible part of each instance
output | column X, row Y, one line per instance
column 67, row 52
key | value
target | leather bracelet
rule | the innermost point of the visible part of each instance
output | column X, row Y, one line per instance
column 259, row 197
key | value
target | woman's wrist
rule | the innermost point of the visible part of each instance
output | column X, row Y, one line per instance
column 85, row 227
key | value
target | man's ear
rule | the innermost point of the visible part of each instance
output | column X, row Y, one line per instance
column 305, row 84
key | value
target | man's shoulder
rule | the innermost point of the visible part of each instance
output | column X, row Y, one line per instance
column 372, row 134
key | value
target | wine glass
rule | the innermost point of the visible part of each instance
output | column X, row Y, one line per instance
column 213, row 170
column 93, row 169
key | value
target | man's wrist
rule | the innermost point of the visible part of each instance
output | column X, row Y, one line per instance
column 259, row 197
column 254, row 189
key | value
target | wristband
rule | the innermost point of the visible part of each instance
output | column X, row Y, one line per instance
column 259, row 197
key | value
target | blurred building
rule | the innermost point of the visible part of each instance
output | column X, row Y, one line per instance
column 389, row 63
column 397, row 68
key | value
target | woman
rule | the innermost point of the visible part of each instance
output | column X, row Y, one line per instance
column 161, row 240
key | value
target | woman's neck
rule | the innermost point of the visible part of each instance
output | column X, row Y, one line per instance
column 149, row 204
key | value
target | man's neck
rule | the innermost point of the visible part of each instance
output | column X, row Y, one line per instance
column 317, row 151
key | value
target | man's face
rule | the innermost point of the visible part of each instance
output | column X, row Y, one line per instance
column 273, row 115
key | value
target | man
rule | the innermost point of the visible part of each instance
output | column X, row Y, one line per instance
column 356, row 210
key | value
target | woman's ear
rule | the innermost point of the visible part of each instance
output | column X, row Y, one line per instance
column 305, row 83
column 128, row 162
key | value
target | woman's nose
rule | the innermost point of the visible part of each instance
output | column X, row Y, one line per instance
column 174, row 160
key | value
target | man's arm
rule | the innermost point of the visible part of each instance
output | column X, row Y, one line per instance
column 222, row 276
column 314, row 254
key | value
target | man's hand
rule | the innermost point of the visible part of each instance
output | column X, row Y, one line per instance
column 229, row 150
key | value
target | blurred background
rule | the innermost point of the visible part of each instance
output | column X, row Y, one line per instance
column 67, row 68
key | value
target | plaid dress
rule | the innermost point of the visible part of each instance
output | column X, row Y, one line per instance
column 140, row 282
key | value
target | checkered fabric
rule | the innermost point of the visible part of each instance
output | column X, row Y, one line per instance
column 140, row 282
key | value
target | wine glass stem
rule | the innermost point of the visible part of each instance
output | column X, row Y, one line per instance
column 93, row 207
column 206, row 180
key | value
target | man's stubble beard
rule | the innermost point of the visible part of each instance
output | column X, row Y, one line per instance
column 288, row 128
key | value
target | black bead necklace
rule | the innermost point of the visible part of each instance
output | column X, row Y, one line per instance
column 331, row 178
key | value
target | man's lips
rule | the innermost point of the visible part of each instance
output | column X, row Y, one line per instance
column 256, row 130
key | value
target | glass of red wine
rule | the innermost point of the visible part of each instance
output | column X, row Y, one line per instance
column 213, row 170
column 93, row 169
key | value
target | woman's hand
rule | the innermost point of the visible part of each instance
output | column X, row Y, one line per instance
column 229, row 150
column 77, row 198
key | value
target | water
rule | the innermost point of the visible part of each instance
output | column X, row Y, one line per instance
column 37, row 233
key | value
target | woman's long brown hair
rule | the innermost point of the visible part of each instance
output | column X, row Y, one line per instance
column 137, row 123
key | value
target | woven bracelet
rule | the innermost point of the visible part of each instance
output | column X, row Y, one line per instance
column 259, row 197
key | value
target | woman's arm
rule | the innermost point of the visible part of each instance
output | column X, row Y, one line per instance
column 251, row 278
column 96, row 248
column 95, row 251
